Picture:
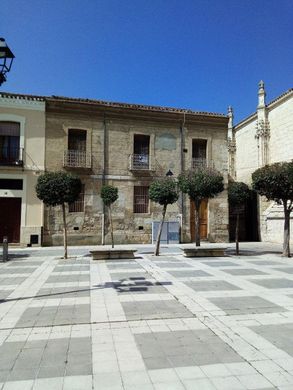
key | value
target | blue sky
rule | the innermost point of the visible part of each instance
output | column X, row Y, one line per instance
column 198, row 54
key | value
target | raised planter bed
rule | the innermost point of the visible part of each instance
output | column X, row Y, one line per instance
column 113, row 253
column 204, row 252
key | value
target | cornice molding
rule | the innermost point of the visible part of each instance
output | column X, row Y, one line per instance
column 24, row 104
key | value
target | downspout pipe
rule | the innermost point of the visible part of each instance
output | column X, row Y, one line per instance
column 182, row 142
column 104, row 173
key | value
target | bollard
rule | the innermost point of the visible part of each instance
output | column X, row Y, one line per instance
column 5, row 248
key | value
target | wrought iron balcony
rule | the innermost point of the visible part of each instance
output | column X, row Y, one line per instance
column 77, row 159
column 201, row 163
column 140, row 162
column 11, row 156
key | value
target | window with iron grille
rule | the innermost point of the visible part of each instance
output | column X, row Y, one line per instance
column 9, row 143
column 199, row 153
column 141, row 199
column 78, row 205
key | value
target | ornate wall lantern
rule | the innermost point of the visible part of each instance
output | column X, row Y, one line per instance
column 6, row 59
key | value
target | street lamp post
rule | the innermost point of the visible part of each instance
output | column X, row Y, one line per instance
column 6, row 59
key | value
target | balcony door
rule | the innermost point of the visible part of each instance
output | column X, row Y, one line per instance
column 76, row 154
column 141, row 149
column 9, row 143
column 199, row 153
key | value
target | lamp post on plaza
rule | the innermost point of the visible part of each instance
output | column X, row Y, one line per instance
column 6, row 59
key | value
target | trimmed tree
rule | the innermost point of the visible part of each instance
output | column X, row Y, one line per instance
column 57, row 189
column 275, row 182
column 199, row 184
column 164, row 192
column 238, row 193
column 109, row 195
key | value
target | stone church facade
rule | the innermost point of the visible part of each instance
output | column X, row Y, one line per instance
column 264, row 137
column 128, row 146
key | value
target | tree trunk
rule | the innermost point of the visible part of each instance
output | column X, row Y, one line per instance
column 286, row 244
column 64, row 230
column 237, row 234
column 111, row 226
column 157, row 250
column 197, row 222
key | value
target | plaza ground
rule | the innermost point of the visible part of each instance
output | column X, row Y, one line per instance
column 164, row 322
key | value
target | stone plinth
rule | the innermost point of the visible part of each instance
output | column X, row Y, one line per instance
column 217, row 251
column 113, row 253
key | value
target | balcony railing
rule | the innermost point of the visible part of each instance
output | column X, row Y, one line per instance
column 201, row 163
column 77, row 159
column 139, row 162
column 11, row 156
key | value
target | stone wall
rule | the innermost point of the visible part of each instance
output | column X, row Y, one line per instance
column 165, row 154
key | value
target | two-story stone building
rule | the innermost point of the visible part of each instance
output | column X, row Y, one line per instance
column 22, row 158
column 128, row 146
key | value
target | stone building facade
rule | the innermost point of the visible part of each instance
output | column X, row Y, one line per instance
column 264, row 137
column 22, row 159
column 128, row 146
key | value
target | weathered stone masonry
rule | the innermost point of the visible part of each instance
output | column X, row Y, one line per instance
column 110, row 132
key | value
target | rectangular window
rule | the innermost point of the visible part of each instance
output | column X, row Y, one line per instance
column 199, row 153
column 141, row 200
column 11, row 184
column 9, row 143
column 77, row 140
column 78, row 205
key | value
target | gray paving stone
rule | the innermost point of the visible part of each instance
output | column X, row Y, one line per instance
column 172, row 265
column 54, row 315
column 219, row 263
column 244, row 271
column 183, row 349
column 24, row 263
column 274, row 283
column 74, row 261
column 189, row 274
column 120, row 266
column 264, row 262
column 130, row 275
column 246, row 305
column 287, row 270
column 154, row 309
column 70, row 268
column 63, row 292
column 68, row 278
column 211, row 285
column 280, row 335
column 11, row 281
column 4, row 294
column 17, row 270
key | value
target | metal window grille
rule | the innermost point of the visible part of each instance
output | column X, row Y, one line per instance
column 141, row 200
column 78, row 205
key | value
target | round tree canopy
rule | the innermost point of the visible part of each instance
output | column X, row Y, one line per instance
column 164, row 191
column 274, row 181
column 201, row 183
column 109, row 194
column 238, row 193
column 56, row 188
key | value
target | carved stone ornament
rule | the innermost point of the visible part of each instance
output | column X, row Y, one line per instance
column 262, row 129
column 231, row 146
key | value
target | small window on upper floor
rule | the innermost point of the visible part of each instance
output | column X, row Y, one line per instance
column 10, row 152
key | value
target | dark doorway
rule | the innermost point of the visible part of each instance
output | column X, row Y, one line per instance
column 248, row 221
column 10, row 214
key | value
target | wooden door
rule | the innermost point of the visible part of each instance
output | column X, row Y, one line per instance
column 10, row 214
column 203, row 220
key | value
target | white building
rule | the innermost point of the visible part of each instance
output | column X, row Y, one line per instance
column 264, row 137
